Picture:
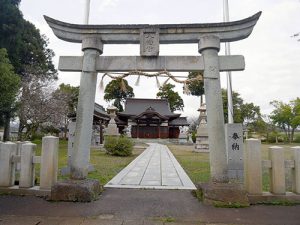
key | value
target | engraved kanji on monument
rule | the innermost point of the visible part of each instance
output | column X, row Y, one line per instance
column 234, row 145
column 149, row 42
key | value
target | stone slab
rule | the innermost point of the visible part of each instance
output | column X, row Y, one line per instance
column 223, row 194
column 155, row 168
column 86, row 190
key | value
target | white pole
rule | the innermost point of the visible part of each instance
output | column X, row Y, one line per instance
column 87, row 12
column 227, row 52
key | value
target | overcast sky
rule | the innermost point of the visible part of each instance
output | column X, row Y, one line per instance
column 272, row 56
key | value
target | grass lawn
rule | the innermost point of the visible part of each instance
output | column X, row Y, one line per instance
column 106, row 166
column 196, row 164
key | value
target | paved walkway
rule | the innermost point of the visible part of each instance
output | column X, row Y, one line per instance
column 155, row 168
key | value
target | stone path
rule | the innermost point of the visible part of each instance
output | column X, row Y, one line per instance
column 155, row 168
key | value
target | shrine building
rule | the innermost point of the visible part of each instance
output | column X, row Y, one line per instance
column 150, row 118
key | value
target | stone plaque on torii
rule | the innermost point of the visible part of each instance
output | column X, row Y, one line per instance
column 208, row 36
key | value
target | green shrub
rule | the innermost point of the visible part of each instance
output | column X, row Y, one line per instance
column 194, row 136
column 118, row 146
column 280, row 138
column 297, row 138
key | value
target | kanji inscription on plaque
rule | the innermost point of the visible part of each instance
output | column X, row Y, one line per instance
column 149, row 43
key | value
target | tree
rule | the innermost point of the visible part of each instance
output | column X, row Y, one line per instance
column 35, row 106
column 245, row 113
column 175, row 101
column 286, row 116
column 70, row 93
column 9, row 86
column 27, row 48
column 197, row 87
column 65, row 98
column 265, row 127
column 118, row 90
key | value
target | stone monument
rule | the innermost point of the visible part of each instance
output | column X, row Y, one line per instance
column 235, row 151
column 149, row 37
column 202, row 132
column 182, row 138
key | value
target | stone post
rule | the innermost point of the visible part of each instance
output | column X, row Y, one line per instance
column 19, row 147
column 296, row 171
column 277, row 182
column 7, row 167
column 209, row 47
column 253, row 166
column 91, row 47
column 235, row 153
column 71, row 139
column 49, row 162
column 27, row 174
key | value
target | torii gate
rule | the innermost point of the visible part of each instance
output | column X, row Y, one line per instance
column 208, row 36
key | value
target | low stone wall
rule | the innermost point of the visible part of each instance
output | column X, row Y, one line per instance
column 20, row 158
column 277, row 166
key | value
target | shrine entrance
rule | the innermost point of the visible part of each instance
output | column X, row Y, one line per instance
column 149, row 37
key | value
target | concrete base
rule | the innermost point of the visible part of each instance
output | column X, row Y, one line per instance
column 76, row 190
column 16, row 190
column 67, row 170
column 223, row 194
column 269, row 198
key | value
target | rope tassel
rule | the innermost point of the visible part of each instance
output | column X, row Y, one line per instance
column 157, row 82
column 186, row 89
column 166, row 81
column 123, row 85
column 137, row 83
column 101, row 85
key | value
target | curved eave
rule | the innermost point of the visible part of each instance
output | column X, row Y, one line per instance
column 151, row 115
column 168, row 33
column 179, row 125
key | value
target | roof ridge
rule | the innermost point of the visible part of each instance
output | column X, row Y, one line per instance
column 155, row 99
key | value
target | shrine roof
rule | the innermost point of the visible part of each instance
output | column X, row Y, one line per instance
column 137, row 106
column 100, row 112
column 180, row 121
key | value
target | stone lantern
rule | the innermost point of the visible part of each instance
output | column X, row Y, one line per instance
column 112, row 128
column 202, row 132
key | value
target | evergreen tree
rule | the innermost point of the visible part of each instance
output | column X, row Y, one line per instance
column 9, row 86
column 167, row 92
column 118, row 90
column 197, row 87
column 27, row 49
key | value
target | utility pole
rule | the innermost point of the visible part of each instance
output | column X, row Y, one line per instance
column 87, row 12
column 227, row 52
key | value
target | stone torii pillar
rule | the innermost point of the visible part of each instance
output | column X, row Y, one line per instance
column 92, row 48
column 209, row 47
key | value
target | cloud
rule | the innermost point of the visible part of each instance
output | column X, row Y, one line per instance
column 272, row 56
column 104, row 4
